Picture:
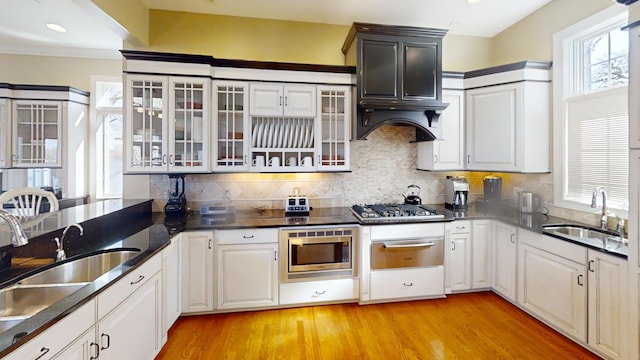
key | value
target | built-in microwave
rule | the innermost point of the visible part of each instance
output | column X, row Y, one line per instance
column 315, row 253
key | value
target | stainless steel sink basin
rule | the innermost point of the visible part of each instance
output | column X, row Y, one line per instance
column 23, row 301
column 590, row 236
column 81, row 270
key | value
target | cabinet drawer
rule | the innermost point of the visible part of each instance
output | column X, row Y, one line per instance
column 116, row 293
column 247, row 236
column 391, row 284
column 459, row 227
column 58, row 336
column 319, row 291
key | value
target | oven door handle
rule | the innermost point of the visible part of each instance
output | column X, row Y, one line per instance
column 398, row 244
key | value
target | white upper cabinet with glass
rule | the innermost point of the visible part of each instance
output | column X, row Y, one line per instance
column 333, row 127
column 229, row 130
column 168, row 124
column 47, row 125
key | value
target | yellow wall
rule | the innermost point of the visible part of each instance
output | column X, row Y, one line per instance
column 53, row 70
column 532, row 38
column 283, row 41
column 133, row 15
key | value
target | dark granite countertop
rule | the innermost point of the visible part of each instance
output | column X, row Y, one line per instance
column 113, row 224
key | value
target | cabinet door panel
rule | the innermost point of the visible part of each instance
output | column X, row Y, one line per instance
column 119, row 333
column 492, row 114
column 459, row 266
column 299, row 101
column 481, row 250
column 380, row 69
column 555, row 289
column 418, row 76
column 505, row 255
column 197, row 267
column 247, row 276
column 266, row 100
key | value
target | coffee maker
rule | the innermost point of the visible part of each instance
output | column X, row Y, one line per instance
column 177, row 202
column 456, row 192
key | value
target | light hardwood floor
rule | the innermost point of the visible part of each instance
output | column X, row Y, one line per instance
column 465, row 326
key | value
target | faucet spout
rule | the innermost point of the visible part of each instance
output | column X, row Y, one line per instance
column 18, row 236
column 60, row 253
column 594, row 203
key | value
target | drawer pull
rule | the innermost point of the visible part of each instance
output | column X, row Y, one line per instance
column 318, row 293
column 397, row 244
column 590, row 268
column 108, row 341
column 409, row 284
column 97, row 351
column 580, row 280
column 43, row 352
column 247, row 236
column 140, row 278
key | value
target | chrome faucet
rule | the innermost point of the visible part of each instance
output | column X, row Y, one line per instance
column 18, row 236
column 60, row 254
column 594, row 204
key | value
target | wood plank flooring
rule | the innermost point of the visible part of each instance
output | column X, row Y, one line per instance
column 465, row 326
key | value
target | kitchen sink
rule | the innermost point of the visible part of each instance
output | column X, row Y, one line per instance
column 24, row 301
column 604, row 239
column 82, row 270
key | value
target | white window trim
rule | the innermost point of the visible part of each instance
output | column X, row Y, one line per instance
column 95, row 124
column 564, row 86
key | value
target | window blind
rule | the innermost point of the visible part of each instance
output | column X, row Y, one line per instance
column 597, row 146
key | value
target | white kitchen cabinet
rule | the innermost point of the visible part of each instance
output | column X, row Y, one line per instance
column 63, row 333
column 553, row 283
column 608, row 307
column 505, row 240
column 37, row 132
column 197, row 271
column 83, row 348
column 5, row 128
column 282, row 100
column 133, row 329
column 481, row 250
column 247, row 275
column 508, row 124
column 407, row 283
column 247, row 268
column 309, row 292
column 543, row 274
column 231, row 132
column 171, row 284
column 458, row 256
column 447, row 152
column 167, row 124
column 333, row 126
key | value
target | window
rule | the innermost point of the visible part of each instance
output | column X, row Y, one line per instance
column 108, row 134
column 591, row 72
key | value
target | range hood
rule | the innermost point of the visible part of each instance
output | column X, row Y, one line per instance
column 399, row 77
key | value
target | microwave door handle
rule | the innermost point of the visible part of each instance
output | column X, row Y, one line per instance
column 395, row 244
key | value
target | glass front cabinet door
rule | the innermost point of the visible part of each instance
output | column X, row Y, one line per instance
column 230, row 148
column 333, row 149
column 168, row 124
column 147, row 150
column 189, row 125
column 37, row 130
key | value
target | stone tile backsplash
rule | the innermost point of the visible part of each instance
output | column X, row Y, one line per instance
column 381, row 169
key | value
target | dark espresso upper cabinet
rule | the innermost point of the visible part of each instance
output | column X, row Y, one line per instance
column 399, row 75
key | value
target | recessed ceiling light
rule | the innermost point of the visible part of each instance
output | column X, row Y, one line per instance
column 56, row 27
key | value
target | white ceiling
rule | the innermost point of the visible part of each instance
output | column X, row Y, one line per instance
column 23, row 31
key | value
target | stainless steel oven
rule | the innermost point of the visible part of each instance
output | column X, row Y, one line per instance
column 318, row 252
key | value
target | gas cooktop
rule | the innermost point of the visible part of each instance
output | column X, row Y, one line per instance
column 381, row 213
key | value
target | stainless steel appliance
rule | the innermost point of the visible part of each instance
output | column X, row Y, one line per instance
column 492, row 188
column 384, row 213
column 318, row 252
column 456, row 192
column 528, row 202
column 422, row 252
